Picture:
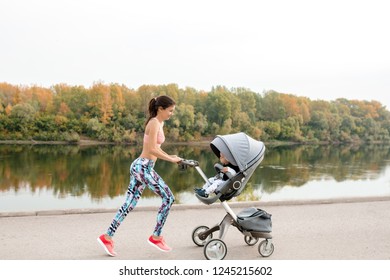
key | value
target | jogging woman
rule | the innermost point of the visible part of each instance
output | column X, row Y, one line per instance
column 142, row 174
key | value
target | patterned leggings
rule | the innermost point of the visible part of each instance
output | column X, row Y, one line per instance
column 142, row 174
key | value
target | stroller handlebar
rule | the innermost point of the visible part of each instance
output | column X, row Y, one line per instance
column 184, row 163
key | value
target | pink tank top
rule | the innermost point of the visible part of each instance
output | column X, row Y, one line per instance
column 160, row 137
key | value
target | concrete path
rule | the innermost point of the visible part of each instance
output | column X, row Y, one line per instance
column 345, row 229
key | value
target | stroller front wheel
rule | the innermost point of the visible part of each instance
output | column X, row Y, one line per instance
column 215, row 249
column 250, row 240
column 266, row 248
column 196, row 236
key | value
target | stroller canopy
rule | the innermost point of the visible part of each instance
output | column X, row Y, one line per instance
column 239, row 149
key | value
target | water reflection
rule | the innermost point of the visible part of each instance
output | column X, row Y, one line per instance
column 295, row 166
column 101, row 172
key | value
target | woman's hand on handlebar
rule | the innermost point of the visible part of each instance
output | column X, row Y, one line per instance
column 176, row 159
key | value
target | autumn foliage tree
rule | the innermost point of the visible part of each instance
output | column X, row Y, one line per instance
column 116, row 113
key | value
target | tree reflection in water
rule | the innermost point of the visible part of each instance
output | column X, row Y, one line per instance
column 103, row 171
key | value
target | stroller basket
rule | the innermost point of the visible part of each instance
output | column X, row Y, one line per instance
column 253, row 219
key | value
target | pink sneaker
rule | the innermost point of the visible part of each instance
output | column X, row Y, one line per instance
column 159, row 244
column 108, row 245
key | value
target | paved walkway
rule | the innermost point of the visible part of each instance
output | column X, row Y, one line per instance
column 357, row 229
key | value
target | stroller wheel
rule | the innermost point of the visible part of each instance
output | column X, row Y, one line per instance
column 250, row 240
column 266, row 248
column 215, row 249
column 195, row 236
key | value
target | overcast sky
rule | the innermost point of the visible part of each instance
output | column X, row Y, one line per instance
column 319, row 49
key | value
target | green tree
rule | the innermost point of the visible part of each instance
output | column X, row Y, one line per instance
column 219, row 106
column 271, row 107
column 75, row 98
column 200, row 125
column 290, row 129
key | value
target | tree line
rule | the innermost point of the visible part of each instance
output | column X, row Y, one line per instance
column 116, row 113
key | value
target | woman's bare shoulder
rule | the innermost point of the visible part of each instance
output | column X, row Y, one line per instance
column 153, row 125
column 154, row 122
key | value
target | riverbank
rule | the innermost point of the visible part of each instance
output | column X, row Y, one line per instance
column 240, row 204
column 33, row 142
column 85, row 142
column 202, row 142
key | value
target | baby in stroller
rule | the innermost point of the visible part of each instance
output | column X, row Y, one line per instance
column 225, row 171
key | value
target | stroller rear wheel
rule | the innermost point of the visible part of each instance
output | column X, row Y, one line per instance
column 195, row 236
column 250, row 240
column 215, row 249
column 266, row 248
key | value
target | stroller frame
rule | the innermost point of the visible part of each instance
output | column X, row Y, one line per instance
column 202, row 235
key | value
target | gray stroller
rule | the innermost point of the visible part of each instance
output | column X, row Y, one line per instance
column 246, row 153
